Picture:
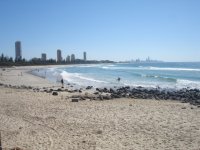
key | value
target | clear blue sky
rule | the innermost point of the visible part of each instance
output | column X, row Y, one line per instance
column 166, row 30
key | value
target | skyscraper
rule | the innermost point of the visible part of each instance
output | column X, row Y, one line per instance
column 44, row 57
column 59, row 56
column 84, row 56
column 72, row 58
column 68, row 59
column 18, row 51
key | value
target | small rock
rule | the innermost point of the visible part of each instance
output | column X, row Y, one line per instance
column 75, row 99
column 99, row 132
column 89, row 87
column 16, row 148
column 59, row 90
column 55, row 93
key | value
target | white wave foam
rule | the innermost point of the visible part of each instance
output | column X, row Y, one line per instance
column 88, row 66
column 174, row 69
column 181, row 81
column 73, row 76
column 111, row 65
column 151, row 68
column 52, row 69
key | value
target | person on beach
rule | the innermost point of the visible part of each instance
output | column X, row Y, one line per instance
column 62, row 82
column 118, row 79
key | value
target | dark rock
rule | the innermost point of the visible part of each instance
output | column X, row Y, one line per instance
column 89, row 87
column 99, row 90
column 105, row 90
column 112, row 91
column 74, row 96
column 106, row 97
column 197, row 101
column 115, row 96
column 82, row 98
column 75, row 99
column 96, row 93
column 99, row 132
column 59, row 90
column 16, row 148
column 55, row 93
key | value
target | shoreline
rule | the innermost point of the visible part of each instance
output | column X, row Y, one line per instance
column 184, row 95
column 36, row 114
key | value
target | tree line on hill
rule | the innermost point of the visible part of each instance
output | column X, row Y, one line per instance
column 9, row 61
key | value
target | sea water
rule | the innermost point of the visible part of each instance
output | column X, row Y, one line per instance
column 163, row 75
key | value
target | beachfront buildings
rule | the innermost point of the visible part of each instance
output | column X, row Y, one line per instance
column 84, row 56
column 72, row 58
column 18, row 50
column 44, row 57
column 68, row 59
column 59, row 56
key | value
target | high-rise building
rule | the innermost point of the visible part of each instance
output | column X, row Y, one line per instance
column 18, row 50
column 73, row 58
column 68, row 59
column 84, row 56
column 59, row 55
column 44, row 57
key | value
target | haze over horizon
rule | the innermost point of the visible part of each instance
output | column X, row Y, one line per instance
column 115, row 30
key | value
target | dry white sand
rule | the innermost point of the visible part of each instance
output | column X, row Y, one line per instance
column 36, row 120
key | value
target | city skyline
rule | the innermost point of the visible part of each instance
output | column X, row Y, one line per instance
column 58, row 57
column 107, row 30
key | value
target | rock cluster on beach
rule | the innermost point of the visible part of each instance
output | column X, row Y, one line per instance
column 191, row 96
column 184, row 95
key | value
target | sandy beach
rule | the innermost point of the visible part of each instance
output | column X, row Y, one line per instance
column 40, row 121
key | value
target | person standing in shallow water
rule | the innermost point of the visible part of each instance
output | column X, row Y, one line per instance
column 62, row 82
column 118, row 79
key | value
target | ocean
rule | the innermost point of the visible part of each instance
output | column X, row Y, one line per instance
column 164, row 75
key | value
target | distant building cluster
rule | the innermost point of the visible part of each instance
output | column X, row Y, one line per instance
column 148, row 60
column 69, row 59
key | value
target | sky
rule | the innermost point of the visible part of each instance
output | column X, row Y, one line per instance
column 117, row 30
